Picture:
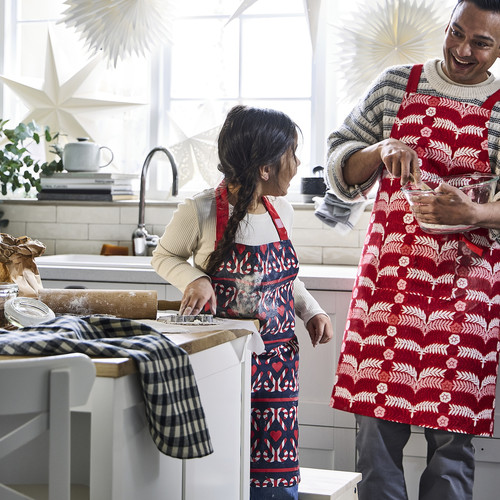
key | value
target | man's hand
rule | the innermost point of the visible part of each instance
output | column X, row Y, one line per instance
column 449, row 207
column 400, row 160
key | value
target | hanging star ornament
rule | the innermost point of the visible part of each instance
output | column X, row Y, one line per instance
column 56, row 104
column 384, row 34
column 120, row 28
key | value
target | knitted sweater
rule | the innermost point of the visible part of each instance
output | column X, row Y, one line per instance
column 191, row 234
column 372, row 119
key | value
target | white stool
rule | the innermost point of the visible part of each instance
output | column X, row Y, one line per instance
column 322, row 484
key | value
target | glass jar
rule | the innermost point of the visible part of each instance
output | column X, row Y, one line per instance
column 7, row 291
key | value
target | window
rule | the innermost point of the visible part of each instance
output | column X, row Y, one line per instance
column 178, row 95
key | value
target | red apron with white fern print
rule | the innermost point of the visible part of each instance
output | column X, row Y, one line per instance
column 422, row 336
column 257, row 282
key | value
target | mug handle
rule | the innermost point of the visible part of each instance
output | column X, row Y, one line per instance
column 112, row 156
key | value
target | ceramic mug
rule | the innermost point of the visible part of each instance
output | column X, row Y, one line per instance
column 84, row 156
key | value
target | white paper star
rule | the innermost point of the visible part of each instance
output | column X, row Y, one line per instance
column 197, row 153
column 55, row 104
column 387, row 33
column 120, row 28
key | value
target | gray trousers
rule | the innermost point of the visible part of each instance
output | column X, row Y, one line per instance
column 449, row 474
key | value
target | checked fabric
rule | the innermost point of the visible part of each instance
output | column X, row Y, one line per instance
column 173, row 408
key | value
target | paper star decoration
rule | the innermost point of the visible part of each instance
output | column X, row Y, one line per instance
column 120, row 28
column 194, row 145
column 198, row 153
column 55, row 104
column 387, row 33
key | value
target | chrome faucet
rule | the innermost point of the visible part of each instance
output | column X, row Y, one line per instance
column 141, row 239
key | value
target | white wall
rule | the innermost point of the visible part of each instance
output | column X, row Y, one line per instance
column 84, row 228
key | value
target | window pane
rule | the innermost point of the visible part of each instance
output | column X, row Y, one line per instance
column 276, row 58
column 206, row 7
column 277, row 7
column 34, row 10
column 205, row 59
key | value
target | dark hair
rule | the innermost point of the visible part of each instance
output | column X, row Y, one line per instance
column 249, row 139
column 490, row 5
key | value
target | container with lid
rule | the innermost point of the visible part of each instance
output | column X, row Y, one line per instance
column 26, row 311
column 7, row 291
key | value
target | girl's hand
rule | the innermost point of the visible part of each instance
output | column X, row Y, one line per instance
column 320, row 329
column 196, row 295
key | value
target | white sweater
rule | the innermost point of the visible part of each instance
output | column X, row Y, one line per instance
column 191, row 234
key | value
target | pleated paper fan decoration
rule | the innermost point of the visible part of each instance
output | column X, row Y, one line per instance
column 120, row 28
column 387, row 33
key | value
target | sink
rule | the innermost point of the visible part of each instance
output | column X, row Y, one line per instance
column 106, row 261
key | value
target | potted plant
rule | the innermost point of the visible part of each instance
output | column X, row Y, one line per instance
column 18, row 170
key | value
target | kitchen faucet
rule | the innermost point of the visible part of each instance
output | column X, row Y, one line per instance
column 141, row 239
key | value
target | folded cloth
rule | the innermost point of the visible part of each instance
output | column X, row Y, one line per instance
column 173, row 408
column 337, row 213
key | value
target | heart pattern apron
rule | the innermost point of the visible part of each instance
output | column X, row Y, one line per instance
column 422, row 336
column 257, row 282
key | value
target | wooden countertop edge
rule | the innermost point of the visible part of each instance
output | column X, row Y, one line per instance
column 192, row 343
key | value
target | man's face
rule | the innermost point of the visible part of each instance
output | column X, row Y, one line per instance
column 471, row 44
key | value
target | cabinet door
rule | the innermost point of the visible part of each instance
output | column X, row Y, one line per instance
column 326, row 436
column 223, row 378
column 165, row 292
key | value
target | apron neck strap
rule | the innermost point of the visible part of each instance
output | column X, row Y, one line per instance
column 278, row 223
column 412, row 85
column 222, row 210
column 492, row 100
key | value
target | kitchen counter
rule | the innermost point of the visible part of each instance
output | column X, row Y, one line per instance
column 115, row 457
column 131, row 269
column 192, row 342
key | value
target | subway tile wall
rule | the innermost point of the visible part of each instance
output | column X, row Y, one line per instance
column 83, row 228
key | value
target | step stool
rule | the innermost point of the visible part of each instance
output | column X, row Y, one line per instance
column 323, row 484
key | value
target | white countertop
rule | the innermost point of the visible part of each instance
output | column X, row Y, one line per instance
column 130, row 269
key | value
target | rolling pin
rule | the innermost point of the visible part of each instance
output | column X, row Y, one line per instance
column 131, row 304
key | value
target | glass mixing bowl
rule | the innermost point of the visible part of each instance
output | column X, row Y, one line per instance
column 480, row 188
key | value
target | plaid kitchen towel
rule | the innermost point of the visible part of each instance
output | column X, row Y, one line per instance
column 173, row 408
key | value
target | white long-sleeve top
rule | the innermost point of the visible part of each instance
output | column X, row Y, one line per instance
column 191, row 234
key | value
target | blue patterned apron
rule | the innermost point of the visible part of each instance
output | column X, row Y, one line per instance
column 257, row 282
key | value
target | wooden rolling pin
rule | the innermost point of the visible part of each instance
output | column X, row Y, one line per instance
column 132, row 304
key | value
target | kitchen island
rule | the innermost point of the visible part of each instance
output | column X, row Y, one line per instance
column 113, row 455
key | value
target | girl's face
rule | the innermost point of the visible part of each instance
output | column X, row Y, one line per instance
column 279, row 182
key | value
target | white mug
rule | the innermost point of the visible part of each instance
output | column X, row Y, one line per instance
column 83, row 156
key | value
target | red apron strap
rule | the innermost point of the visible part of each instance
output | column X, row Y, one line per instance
column 278, row 223
column 412, row 85
column 222, row 214
column 490, row 102
column 222, row 211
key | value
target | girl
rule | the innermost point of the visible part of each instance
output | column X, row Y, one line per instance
column 245, row 267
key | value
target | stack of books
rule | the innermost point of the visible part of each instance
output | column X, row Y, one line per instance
column 89, row 186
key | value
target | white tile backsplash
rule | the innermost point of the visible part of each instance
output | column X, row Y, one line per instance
column 84, row 228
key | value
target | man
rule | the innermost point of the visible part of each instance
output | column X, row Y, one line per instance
column 421, row 340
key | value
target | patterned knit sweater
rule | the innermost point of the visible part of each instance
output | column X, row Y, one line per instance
column 372, row 119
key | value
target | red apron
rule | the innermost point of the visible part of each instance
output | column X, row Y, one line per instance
column 257, row 282
column 422, row 336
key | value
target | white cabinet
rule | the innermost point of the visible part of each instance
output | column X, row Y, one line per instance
column 326, row 436
column 115, row 457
